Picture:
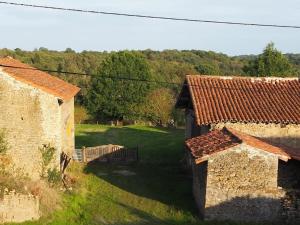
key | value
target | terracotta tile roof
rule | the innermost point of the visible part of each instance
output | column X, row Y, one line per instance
column 203, row 146
column 242, row 99
column 211, row 143
column 38, row 79
column 281, row 151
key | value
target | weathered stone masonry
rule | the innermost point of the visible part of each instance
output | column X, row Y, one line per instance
column 17, row 208
column 31, row 118
column 241, row 184
column 237, row 174
column 254, row 178
column 286, row 134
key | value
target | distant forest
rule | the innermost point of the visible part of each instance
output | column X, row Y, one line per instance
column 167, row 65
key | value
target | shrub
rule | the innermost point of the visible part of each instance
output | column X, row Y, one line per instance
column 54, row 176
column 80, row 115
column 47, row 152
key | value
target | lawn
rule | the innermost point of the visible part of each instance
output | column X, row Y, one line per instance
column 157, row 145
column 154, row 191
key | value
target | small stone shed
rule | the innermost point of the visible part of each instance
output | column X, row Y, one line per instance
column 243, row 145
column 35, row 109
column 240, row 177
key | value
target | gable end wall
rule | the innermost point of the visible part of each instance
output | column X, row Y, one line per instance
column 242, row 186
column 30, row 118
column 288, row 135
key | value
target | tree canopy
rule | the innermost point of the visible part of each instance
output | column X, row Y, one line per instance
column 159, row 106
column 166, row 66
column 110, row 98
column 270, row 63
column 208, row 69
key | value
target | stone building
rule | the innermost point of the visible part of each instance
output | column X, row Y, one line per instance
column 36, row 109
column 243, row 145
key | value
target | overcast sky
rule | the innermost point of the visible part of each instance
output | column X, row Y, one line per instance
column 29, row 28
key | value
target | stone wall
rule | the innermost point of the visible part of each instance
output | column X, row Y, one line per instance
column 199, row 186
column 289, row 174
column 291, row 207
column 30, row 118
column 283, row 134
column 18, row 208
column 289, row 180
column 68, row 127
column 192, row 129
column 242, row 186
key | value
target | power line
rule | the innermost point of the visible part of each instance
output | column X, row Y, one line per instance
column 207, row 88
column 150, row 17
column 91, row 75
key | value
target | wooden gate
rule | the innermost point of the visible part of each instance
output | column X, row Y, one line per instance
column 109, row 153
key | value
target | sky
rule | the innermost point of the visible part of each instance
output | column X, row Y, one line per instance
column 30, row 28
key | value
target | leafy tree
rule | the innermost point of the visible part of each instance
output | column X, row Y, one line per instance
column 110, row 98
column 270, row 63
column 159, row 105
column 165, row 66
column 69, row 50
column 36, row 59
column 43, row 49
column 208, row 69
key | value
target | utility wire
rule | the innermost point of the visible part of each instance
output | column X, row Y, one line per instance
column 150, row 17
column 91, row 75
column 136, row 79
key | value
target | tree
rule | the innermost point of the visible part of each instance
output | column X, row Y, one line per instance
column 110, row 98
column 270, row 63
column 208, row 69
column 69, row 50
column 159, row 105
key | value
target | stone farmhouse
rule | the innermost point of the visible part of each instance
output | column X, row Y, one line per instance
column 36, row 109
column 243, row 146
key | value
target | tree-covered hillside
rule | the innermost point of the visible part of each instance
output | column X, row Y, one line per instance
column 166, row 66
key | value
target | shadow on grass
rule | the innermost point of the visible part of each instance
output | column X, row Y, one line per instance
column 148, row 219
column 167, row 184
column 157, row 176
column 155, row 145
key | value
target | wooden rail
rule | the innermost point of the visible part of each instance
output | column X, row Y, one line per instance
column 109, row 153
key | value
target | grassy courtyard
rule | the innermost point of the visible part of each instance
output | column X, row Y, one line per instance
column 154, row 191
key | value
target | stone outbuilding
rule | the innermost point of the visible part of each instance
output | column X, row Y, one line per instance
column 243, row 146
column 36, row 109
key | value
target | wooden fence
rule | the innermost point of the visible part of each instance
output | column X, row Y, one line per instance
column 109, row 153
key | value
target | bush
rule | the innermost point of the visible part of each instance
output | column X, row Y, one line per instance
column 54, row 176
column 80, row 115
column 47, row 152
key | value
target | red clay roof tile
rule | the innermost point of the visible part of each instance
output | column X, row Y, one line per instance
column 38, row 79
column 203, row 146
column 242, row 99
column 211, row 143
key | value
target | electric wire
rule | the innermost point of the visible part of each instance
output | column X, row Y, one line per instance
column 150, row 16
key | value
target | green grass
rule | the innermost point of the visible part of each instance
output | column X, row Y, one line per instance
column 157, row 145
column 158, row 193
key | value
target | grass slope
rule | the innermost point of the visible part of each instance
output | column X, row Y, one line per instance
column 158, row 193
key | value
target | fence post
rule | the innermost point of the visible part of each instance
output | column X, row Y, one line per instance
column 83, row 151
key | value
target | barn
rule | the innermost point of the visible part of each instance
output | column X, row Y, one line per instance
column 36, row 109
column 243, row 146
